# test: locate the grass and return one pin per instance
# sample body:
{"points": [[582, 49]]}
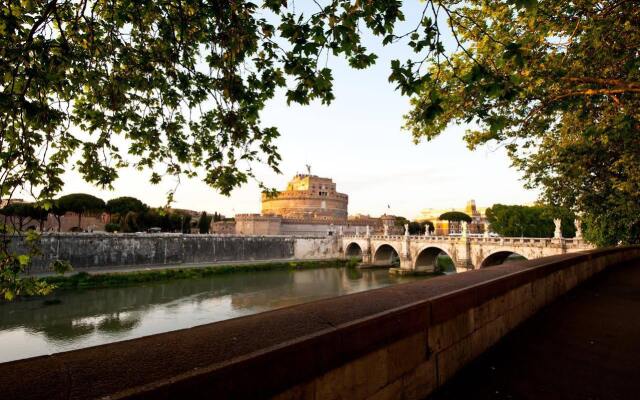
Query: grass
{"points": [[84, 280]]}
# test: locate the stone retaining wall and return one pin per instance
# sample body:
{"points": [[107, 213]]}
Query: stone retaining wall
{"points": [[398, 342], [88, 251]]}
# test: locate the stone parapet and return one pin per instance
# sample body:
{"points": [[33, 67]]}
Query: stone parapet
{"points": [[402, 341], [257, 217], [296, 194], [313, 221]]}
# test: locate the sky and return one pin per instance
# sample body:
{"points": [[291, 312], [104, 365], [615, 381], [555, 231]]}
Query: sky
{"points": [[358, 141]]}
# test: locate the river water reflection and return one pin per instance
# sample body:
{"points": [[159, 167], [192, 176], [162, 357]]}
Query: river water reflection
{"points": [[76, 319]]}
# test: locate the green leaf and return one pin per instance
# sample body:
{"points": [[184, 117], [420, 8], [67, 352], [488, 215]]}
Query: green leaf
{"points": [[24, 260]]}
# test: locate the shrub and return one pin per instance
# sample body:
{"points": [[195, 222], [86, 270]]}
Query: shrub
{"points": [[111, 227]]}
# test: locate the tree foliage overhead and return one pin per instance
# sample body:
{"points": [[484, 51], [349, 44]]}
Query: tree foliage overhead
{"points": [[170, 86], [555, 82]]}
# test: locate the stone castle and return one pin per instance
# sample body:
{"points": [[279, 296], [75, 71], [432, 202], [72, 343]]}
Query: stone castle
{"points": [[310, 205]]}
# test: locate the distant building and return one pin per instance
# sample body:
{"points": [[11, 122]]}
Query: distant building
{"points": [[308, 197], [445, 228], [310, 205], [223, 227]]}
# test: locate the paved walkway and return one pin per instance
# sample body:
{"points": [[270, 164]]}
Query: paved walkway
{"points": [[586, 345]]}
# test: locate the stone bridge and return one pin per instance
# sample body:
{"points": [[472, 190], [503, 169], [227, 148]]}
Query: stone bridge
{"points": [[421, 252]]}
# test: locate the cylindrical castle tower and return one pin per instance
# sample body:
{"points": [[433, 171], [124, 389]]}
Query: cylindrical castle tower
{"points": [[308, 197]]}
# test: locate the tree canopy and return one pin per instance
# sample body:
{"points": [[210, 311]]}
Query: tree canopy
{"points": [[19, 211], [176, 88], [555, 82], [529, 221], [426, 224], [125, 204], [129, 223], [80, 203], [455, 216], [204, 223]]}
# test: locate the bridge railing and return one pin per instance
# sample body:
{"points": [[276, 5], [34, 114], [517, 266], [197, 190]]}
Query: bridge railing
{"points": [[568, 242]]}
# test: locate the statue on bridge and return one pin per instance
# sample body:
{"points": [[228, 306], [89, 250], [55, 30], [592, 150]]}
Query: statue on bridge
{"points": [[557, 234], [386, 230], [486, 229], [340, 231], [465, 229], [578, 225], [406, 229], [368, 232]]}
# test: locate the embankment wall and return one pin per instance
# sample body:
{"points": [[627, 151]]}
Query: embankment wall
{"points": [[88, 251]]}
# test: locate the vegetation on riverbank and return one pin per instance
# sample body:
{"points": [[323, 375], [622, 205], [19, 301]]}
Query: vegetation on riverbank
{"points": [[84, 280], [445, 264]]}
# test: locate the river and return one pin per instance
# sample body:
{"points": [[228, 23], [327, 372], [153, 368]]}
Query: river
{"points": [[69, 320]]}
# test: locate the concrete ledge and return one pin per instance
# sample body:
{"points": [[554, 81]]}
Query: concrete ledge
{"points": [[399, 341]]}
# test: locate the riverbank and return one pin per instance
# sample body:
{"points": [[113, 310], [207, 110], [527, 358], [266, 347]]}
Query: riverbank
{"points": [[85, 280]]}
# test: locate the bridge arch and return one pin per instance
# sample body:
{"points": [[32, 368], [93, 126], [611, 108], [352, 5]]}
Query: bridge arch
{"points": [[353, 249], [501, 257], [385, 255], [428, 257]]}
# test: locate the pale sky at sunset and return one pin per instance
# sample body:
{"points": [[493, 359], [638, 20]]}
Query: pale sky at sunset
{"points": [[357, 141]]}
